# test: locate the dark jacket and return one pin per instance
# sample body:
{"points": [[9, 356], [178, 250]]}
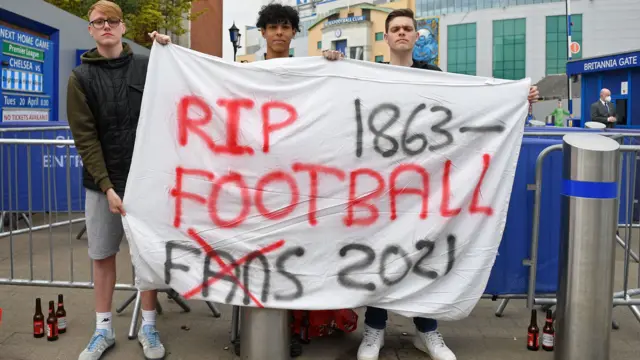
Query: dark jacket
{"points": [[104, 97], [600, 113], [422, 65]]}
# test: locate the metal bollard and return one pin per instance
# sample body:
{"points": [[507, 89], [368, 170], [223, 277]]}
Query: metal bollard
{"points": [[587, 250], [264, 334]]}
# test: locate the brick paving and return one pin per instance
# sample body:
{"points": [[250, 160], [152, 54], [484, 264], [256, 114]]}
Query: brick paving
{"points": [[482, 336]]}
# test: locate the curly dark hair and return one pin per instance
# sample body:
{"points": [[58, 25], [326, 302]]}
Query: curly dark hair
{"points": [[278, 14]]}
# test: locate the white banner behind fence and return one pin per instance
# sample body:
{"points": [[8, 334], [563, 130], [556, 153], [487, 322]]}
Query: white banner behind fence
{"points": [[309, 184]]}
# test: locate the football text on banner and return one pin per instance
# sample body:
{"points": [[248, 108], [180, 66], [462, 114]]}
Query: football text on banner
{"points": [[310, 184]]}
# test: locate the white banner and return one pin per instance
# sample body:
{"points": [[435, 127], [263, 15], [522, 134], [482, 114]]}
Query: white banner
{"points": [[309, 184]]}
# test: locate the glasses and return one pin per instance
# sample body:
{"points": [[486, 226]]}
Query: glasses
{"points": [[99, 23]]}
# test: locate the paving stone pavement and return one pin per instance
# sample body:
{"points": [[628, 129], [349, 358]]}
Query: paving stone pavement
{"points": [[481, 336]]}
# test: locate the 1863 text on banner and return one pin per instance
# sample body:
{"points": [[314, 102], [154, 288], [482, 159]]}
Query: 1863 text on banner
{"points": [[309, 184]]}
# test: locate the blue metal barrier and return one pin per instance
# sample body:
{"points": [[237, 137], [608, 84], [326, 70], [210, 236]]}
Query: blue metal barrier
{"points": [[47, 172], [634, 178], [509, 275]]}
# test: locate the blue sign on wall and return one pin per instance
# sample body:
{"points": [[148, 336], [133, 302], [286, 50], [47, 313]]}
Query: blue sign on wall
{"points": [[352, 19], [27, 76], [28, 101], [25, 65], [605, 63], [16, 80], [317, 2]]}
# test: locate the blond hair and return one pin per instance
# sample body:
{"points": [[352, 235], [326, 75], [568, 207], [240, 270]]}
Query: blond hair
{"points": [[109, 8]]}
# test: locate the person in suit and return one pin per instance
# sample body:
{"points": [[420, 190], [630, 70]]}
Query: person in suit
{"points": [[603, 110]]}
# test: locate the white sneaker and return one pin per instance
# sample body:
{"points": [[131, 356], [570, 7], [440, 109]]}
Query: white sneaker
{"points": [[149, 339], [101, 341], [372, 342], [433, 344]]}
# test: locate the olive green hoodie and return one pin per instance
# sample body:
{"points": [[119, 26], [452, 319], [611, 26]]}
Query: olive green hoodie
{"points": [[83, 124]]}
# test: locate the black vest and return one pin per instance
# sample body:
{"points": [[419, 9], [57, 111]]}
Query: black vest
{"points": [[114, 93]]}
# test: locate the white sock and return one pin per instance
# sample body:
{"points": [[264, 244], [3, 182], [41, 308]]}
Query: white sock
{"points": [[103, 320], [148, 317]]}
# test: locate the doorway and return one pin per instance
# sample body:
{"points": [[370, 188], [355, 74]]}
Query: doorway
{"points": [[622, 109], [341, 45]]}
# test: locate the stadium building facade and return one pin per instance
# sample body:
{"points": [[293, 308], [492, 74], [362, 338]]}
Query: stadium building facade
{"points": [[509, 39]]}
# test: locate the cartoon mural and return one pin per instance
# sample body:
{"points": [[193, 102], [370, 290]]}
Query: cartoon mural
{"points": [[426, 48]]}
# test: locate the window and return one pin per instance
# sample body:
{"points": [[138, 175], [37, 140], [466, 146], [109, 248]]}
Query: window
{"points": [[461, 49], [379, 58], [319, 45], [379, 36], [557, 48], [509, 49], [438, 7]]}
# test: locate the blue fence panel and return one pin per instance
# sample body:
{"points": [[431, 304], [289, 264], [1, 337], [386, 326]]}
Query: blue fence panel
{"points": [[509, 275], [48, 172], [623, 216]]}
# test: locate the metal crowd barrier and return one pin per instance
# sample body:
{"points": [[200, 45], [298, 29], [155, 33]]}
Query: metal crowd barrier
{"points": [[51, 196], [38, 175], [42, 207], [42, 201], [628, 169]]}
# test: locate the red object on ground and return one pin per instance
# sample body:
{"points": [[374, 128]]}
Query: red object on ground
{"points": [[318, 323]]}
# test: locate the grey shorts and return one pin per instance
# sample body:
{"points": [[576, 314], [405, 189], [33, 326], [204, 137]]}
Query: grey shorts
{"points": [[104, 229]]}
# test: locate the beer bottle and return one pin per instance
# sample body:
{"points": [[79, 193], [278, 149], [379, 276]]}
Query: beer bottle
{"points": [[38, 321], [52, 323], [533, 333], [304, 328], [548, 333], [61, 315]]}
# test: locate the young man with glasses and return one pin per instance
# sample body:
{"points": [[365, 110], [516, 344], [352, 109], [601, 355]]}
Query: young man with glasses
{"points": [[401, 35], [104, 97]]}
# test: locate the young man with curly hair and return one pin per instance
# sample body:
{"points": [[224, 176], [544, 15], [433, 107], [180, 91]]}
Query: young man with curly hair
{"points": [[278, 25]]}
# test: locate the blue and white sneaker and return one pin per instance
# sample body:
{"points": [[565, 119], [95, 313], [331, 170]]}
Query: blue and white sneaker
{"points": [[149, 338], [101, 341]]}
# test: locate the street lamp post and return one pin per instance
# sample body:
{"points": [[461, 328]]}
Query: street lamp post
{"points": [[234, 36]]}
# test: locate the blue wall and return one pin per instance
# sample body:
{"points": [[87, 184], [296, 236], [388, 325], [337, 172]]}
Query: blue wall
{"points": [[610, 72]]}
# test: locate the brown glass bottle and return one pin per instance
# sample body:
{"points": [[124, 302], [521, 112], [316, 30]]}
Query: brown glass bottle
{"points": [[52, 323], [533, 333], [38, 320], [548, 333], [61, 315], [304, 329]]}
